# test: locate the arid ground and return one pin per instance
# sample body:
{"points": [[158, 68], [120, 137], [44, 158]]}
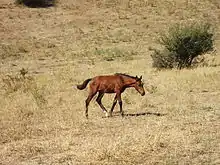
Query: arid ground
{"points": [[42, 117]]}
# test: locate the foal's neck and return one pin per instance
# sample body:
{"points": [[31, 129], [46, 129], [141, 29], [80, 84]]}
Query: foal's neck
{"points": [[128, 81]]}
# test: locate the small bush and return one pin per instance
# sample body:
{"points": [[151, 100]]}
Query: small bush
{"points": [[36, 3], [13, 83], [163, 59], [23, 82], [182, 44]]}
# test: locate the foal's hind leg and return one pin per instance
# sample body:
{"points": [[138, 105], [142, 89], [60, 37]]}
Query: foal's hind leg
{"points": [[99, 101], [89, 98], [113, 105]]}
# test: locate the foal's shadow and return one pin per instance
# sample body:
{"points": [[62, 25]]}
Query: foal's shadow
{"points": [[141, 114], [144, 114]]}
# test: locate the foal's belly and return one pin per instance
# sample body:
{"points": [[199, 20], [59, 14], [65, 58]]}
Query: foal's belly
{"points": [[107, 91]]}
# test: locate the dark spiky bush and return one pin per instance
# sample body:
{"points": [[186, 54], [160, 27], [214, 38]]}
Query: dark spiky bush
{"points": [[36, 3], [182, 44]]}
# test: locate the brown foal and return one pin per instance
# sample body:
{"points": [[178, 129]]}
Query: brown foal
{"points": [[116, 83]]}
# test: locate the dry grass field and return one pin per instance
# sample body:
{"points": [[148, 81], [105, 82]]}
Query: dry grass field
{"points": [[42, 116]]}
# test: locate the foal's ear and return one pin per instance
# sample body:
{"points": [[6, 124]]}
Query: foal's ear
{"points": [[140, 77]]}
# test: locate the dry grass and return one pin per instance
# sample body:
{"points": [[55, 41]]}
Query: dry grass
{"points": [[42, 117]]}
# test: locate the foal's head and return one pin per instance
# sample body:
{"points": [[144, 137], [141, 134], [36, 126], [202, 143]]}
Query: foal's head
{"points": [[139, 85]]}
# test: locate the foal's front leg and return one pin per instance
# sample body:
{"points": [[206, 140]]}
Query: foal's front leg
{"points": [[113, 105], [120, 103]]}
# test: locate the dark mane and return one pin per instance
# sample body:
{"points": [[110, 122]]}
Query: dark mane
{"points": [[123, 74]]}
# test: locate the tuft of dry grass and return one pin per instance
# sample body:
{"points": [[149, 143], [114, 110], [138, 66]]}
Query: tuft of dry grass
{"points": [[42, 113]]}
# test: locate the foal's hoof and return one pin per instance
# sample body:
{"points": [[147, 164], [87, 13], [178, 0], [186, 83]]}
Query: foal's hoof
{"points": [[107, 114]]}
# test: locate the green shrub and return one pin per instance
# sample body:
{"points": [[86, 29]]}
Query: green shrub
{"points": [[36, 3], [163, 59], [182, 44]]}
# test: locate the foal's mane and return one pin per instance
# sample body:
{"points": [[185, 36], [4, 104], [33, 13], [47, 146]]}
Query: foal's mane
{"points": [[123, 74]]}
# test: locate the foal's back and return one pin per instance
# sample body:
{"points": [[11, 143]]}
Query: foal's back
{"points": [[106, 84]]}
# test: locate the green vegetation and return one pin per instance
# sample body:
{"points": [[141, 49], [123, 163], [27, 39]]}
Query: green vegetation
{"points": [[182, 44], [110, 54]]}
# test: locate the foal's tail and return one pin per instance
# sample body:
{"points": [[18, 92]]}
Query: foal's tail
{"points": [[84, 84]]}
